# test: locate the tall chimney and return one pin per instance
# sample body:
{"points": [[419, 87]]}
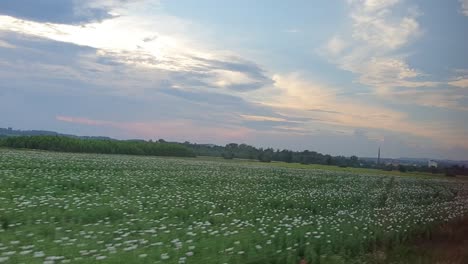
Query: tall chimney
{"points": [[378, 157]]}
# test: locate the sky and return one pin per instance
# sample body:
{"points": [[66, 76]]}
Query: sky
{"points": [[341, 77]]}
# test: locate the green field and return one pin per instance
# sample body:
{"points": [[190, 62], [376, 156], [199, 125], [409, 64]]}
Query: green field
{"points": [[325, 167], [91, 208]]}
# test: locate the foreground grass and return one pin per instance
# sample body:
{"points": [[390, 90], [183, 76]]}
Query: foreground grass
{"points": [[89, 208]]}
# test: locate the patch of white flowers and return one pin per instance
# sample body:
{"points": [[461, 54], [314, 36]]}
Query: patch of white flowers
{"points": [[85, 208]]}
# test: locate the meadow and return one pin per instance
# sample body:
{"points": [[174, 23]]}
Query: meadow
{"points": [[93, 208]]}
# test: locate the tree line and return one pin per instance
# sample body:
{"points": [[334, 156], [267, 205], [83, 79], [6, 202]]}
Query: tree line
{"points": [[104, 146], [164, 148], [244, 151], [187, 149]]}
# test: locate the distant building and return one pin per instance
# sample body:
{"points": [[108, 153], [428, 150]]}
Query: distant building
{"points": [[432, 163], [394, 163]]}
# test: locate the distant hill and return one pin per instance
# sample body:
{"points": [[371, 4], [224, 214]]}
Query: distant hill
{"points": [[8, 132]]}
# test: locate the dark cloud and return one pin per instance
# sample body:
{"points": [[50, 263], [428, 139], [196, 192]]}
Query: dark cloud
{"points": [[54, 11], [36, 49], [149, 39]]}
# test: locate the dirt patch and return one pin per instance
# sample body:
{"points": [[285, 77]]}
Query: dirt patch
{"points": [[448, 244]]}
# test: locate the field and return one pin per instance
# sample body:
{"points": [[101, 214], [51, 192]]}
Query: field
{"points": [[89, 208]]}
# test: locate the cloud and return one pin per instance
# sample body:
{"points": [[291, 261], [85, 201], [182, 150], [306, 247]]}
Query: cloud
{"points": [[83, 72], [262, 118], [374, 5], [446, 99], [325, 111], [168, 129], [376, 33], [461, 82], [335, 46], [372, 51], [85, 121], [232, 80], [385, 73], [380, 29], [293, 94], [4, 44], [60, 11], [374, 24], [322, 107], [129, 41], [464, 7]]}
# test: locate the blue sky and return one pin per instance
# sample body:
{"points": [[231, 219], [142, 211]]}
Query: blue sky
{"points": [[339, 77]]}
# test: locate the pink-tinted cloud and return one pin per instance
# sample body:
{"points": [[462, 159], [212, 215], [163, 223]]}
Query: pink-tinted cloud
{"points": [[84, 121], [173, 130]]}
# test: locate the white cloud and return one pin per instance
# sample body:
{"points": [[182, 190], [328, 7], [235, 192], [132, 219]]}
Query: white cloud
{"points": [[335, 46], [373, 48], [385, 73], [263, 118], [118, 35], [463, 83], [226, 78], [373, 5], [375, 24], [380, 32]]}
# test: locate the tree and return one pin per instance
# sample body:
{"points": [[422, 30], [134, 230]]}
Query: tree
{"points": [[227, 155], [402, 168], [265, 155]]}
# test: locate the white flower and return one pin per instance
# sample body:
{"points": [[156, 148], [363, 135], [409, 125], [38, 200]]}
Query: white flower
{"points": [[38, 254]]}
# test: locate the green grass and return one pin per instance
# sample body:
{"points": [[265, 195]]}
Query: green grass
{"points": [[92, 208], [324, 167]]}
